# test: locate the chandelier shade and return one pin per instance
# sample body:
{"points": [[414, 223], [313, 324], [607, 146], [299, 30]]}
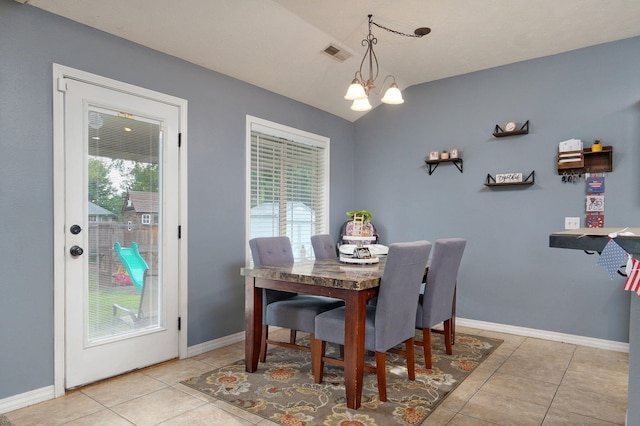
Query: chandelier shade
{"points": [[355, 91], [361, 87], [393, 96], [361, 104]]}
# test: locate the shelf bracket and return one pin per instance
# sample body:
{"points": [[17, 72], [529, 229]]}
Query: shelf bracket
{"points": [[500, 132], [432, 165], [529, 180]]}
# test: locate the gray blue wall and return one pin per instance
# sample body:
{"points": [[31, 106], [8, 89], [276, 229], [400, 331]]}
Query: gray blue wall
{"points": [[509, 276], [30, 41]]}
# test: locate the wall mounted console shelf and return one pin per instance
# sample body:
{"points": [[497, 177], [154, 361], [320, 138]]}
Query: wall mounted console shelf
{"points": [[499, 132], [529, 180], [433, 164], [586, 161]]}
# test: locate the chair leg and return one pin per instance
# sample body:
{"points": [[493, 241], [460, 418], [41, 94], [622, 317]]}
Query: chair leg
{"points": [[411, 359], [447, 336], [426, 341], [292, 337], [263, 343], [381, 372], [318, 348], [453, 316]]}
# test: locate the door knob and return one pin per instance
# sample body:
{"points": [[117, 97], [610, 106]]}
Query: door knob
{"points": [[76, 251], [75, 229]]}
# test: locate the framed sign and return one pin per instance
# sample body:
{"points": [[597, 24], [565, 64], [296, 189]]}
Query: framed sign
{"points": [[508, 177], [595, 203], [454, 153], [595, 184], [594, 221], [434, 155]]}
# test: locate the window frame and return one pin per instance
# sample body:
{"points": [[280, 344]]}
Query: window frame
{"points": [[145, 219], [298, 136]]}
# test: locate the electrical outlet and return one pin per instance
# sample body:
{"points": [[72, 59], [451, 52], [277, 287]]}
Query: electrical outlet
{"points": [[571, 222]]}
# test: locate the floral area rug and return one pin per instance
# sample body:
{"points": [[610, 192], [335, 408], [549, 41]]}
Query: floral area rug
{"points": [[282, 389], [4, 421]]}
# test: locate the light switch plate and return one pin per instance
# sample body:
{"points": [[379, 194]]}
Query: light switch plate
{"points": [[571, 222]]}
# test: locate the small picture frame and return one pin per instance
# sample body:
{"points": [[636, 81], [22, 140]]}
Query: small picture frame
{"points": [[454, 153], [362, 253], [434, 155]]}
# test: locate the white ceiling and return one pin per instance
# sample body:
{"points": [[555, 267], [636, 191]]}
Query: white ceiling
{"points": [[278, 44]]}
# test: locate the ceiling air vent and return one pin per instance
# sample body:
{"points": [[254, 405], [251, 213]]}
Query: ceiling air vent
{"points": [[336, 53]]}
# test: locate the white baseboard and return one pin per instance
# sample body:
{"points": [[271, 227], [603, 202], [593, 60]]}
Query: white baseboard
{"points": [[44, 394], [214, 344], [547, 335], [25, 399]]}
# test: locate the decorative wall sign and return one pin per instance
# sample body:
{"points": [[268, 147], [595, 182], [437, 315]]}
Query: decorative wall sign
{"points": [[595, 184], [454, 153], [595, 203], [594, 221], [508, 177], [434, 155]]}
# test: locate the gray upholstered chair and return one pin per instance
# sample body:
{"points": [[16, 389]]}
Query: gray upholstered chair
{"points": [[323, 246], [388, 323], [436, 304], [284, 309]]}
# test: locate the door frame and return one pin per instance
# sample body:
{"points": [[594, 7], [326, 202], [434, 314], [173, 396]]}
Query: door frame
{"points": [[60, 72]]}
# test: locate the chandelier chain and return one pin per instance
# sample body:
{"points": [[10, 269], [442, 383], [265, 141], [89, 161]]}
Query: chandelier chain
{"points": [[397, 32]]}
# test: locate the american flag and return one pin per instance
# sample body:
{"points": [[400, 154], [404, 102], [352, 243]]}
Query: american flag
{"points": [[633, 275], [612, 257]]}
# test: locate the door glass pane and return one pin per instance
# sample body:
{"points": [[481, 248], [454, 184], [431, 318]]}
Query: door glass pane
{"points": [[124, 221]]}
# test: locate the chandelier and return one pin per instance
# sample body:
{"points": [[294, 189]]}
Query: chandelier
{"points": [[362, 87]]}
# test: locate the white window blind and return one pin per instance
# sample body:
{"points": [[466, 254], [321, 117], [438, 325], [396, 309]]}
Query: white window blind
{"points": [[288, 186]]}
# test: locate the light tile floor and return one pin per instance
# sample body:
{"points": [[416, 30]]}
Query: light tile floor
{"points": [[526, 381]]}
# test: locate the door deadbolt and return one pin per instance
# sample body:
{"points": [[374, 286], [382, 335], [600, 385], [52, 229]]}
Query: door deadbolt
{"points": [[75, 229], [76, 251]]}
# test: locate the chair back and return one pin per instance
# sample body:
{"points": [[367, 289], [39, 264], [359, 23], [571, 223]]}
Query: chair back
{"points": [[272, 251], [437, 299], [398, 295], [323, 246], [148, 308]]}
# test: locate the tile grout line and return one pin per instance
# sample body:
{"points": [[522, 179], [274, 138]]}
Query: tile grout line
{"points": [[486, 380]]}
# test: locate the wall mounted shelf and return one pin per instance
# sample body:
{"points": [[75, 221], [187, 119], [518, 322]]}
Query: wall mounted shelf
{"points": [[587, 161], [499, 132], [529, 180], [433, 164]]}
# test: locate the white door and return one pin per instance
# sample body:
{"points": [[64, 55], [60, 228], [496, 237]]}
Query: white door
{"points": [[121, 232]]}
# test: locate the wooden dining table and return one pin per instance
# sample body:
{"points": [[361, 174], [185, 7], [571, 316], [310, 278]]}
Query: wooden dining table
{"points": [[353, 283]]}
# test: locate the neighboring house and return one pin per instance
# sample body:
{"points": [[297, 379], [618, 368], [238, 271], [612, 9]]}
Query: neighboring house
{"points": [[140, 213], [265, 222], [100, 214], [141, 208]]}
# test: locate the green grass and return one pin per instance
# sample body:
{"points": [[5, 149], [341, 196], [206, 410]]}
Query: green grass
{"points": [[101, 301]]}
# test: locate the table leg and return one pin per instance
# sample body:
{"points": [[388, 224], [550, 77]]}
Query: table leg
{"points": [[354, 347], [253, 324]]}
